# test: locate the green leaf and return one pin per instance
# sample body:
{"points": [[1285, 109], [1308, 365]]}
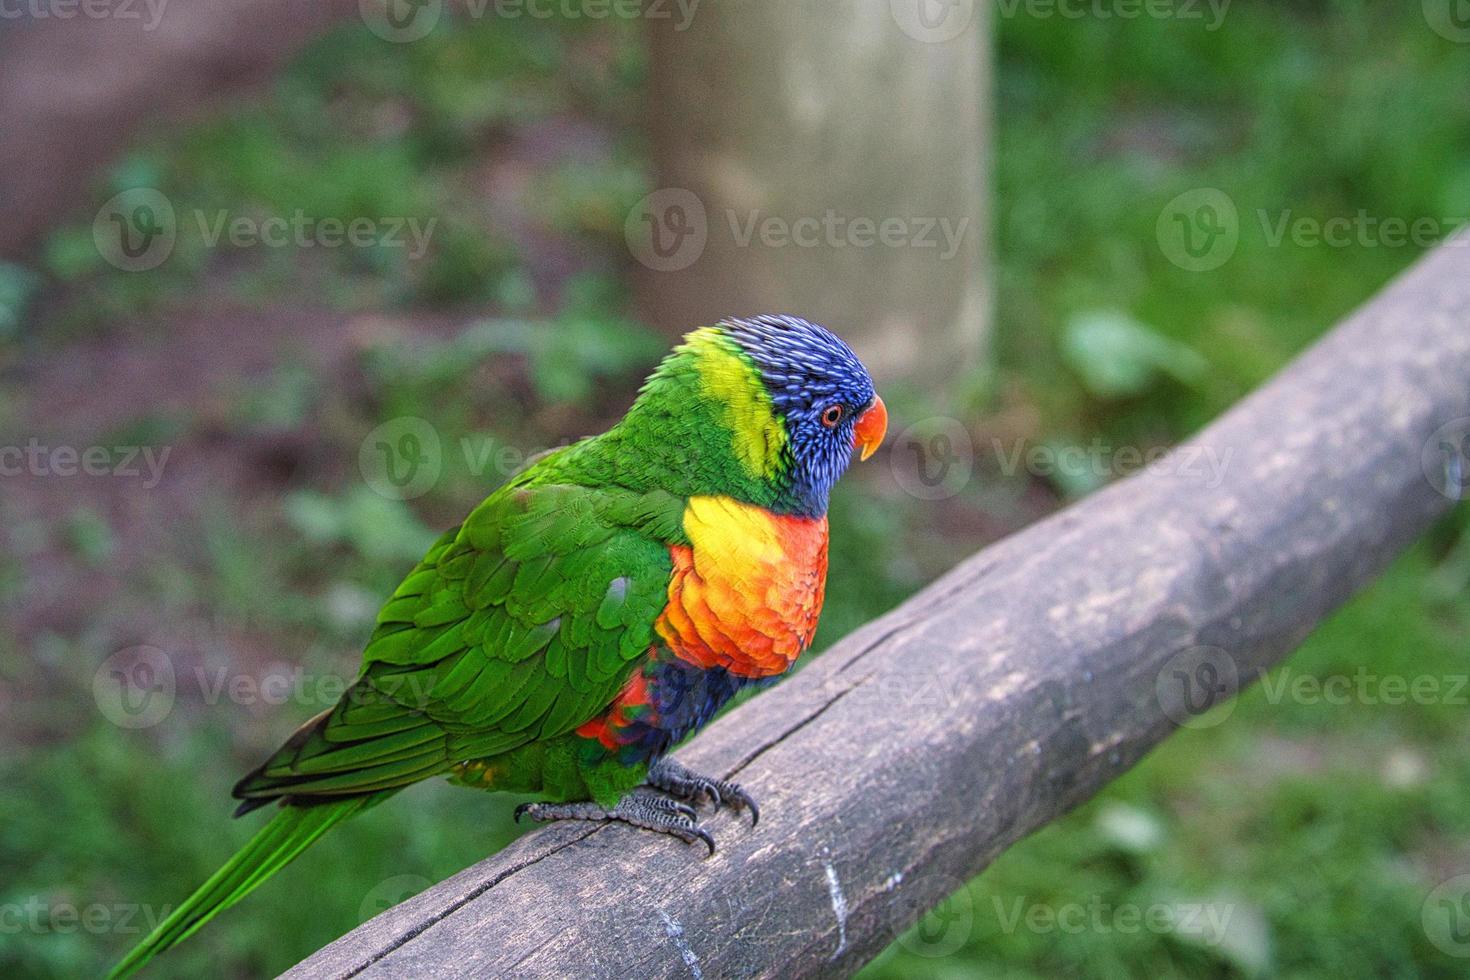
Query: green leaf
{"points": [[17, 287], [1117, 356]]}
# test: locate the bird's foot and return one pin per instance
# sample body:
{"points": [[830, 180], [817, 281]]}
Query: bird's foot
{"points": [[685, 784], [640, 809]]}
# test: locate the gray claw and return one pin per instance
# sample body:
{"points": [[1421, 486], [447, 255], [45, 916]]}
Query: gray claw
{"points": [[639, 809], [679, 781]]}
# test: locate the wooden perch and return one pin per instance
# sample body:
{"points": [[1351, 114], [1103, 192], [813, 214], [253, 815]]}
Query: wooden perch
{"points": [[906, 758]]}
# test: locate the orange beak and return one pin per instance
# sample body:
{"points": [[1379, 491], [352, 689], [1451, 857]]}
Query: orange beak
{"points": [[871, 427]]}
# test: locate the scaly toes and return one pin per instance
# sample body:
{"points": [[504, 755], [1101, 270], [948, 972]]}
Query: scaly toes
{"points": [[674, 778], [663, 815], [648, 810]]}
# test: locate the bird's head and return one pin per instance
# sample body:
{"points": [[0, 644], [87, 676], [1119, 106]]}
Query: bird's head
{"points": [[768, 408]]}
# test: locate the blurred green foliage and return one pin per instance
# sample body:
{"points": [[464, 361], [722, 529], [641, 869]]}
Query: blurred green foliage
{"points": [[1318, 828]]}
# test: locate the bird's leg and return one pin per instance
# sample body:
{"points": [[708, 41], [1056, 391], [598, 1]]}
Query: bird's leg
{"points": [[686, 784], [640, 809]]}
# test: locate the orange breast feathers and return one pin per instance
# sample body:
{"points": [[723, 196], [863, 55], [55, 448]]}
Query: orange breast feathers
{"points": [[747, 594]]}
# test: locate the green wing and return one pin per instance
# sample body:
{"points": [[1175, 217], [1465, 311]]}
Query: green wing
{"points": [[519, 625]]}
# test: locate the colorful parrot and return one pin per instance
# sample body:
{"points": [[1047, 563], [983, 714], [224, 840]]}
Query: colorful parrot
{"points": [[592, 612]]}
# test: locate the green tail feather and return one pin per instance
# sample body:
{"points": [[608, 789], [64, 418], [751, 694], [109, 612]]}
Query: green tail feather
{"points": [[292, 830]]}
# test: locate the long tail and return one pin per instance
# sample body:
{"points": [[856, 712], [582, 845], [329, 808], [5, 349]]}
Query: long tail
{"points": [[292, 830]]}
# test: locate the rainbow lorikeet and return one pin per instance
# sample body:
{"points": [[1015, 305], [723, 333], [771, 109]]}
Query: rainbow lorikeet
{"points": [[592, 612]]}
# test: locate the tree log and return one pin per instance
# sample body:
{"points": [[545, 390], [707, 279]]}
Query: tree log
{"points": [[910, 755]]}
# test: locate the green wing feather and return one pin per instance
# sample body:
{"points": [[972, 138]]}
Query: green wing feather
{"points": [[519, 625]]}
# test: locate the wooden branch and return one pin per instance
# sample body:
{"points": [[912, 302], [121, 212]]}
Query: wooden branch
{"points": [[905, 759]]}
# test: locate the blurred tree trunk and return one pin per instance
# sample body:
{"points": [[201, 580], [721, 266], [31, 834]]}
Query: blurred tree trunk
{"points": [[827, 159]]}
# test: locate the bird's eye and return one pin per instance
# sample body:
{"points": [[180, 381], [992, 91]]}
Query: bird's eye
{"points": [[831, 415]]}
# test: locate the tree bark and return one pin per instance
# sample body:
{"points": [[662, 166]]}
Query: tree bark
{"points": [[908, 757]]}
